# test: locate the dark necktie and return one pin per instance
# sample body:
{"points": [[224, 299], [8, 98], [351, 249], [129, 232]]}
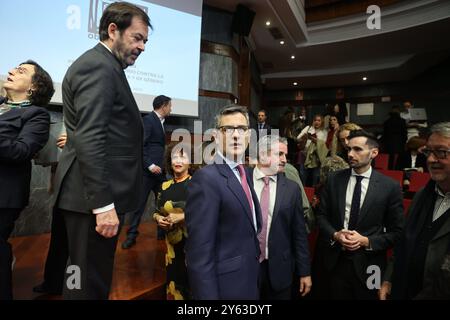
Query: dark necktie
{"points": [[356, 203], [265, 202]]}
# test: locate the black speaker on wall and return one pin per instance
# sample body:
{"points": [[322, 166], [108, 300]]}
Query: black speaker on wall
{"points": [[242, 20]]}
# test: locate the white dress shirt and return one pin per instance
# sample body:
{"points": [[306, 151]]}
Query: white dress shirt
{"points": [[258, 183], [349, 194], [442, 203]]}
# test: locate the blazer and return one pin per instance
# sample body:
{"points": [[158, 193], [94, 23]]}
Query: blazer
{"points": [[154, 143], [288, 239], [380, 219], [101, 162], [23, 132], [404, 161], [265, 127], [433, 276], [222, 248]]}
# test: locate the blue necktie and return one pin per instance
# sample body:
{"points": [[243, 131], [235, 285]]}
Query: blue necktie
{"points": [[356, 203]]}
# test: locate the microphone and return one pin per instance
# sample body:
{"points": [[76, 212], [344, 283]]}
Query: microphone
{"points": [[2, 99]]}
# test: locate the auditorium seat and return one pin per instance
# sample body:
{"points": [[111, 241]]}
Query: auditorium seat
{"points": [[382, 161], [309, 193], [394, 174], [406, 204], [418, 180]]}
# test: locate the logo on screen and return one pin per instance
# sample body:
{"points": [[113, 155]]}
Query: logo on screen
{"points": [[96, 8]]}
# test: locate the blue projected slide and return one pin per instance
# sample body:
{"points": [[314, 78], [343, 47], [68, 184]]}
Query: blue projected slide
{"points": [[55, 33]]}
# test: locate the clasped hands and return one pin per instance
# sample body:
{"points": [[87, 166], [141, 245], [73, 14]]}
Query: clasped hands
{"points": [[351, 240], [167, 222]]}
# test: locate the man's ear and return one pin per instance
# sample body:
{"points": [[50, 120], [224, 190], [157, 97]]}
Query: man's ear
{"points": [[112, 31], [374, 153]]}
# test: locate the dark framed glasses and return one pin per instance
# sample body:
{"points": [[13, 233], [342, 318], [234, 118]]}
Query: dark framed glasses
{"points": [[229, 130], [439, 153]]}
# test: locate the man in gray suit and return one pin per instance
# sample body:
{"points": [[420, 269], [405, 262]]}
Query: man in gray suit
{"points": [[283, 239], [99, 173], [360, 217]]}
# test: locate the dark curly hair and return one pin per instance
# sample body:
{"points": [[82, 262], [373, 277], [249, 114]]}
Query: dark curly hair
{"points": [[185, 148], [42, 85]]}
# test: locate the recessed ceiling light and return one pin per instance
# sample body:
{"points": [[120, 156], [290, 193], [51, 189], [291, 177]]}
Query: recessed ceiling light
{"points": [[292, 57], [282, 42], [364, 78], [267, 23], [295, 84]]}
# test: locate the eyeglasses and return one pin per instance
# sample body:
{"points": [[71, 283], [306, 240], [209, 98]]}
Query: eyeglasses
{"points": [[229, 130], [439, 154]]}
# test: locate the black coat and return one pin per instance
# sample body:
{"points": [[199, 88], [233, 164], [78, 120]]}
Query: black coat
{"points": [[101, 162], [23, 132], [394, 134]]}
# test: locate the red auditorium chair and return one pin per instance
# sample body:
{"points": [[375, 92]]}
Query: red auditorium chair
{"points": [[406, 205], [418, 180], [394, 174], [309, 193], [382, 161]]}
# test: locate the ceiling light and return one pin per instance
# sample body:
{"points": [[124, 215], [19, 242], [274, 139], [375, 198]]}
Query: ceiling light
{"points": [[295, 84], [364, 78], [292, 57], [267, 23], [282, 42]]}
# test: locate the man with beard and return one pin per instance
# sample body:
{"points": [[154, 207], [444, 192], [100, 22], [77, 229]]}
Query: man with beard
{"points": [[360, 217], [421, 264], [99, 175]]}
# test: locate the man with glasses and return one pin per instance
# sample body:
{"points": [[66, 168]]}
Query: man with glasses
{"points": [[420, 269], [223, 217]]}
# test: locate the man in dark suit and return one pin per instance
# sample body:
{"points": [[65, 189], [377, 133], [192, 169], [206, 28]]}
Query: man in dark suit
{"points": [[421, 267], [154, 144], [360, 217], [263, 128], [223, 218], [283, 239], [99, 174]]}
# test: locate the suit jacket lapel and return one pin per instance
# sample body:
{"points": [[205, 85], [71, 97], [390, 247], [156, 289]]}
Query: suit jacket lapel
{"points": [[280, 195], [120, 71], [445, 228], [342, 194], [236, 188], [370, 195]]}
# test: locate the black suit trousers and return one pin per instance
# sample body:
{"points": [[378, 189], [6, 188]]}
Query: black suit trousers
{"points": [[92, 253], [148, 184], [58, 253], [345, 283], [7, 218], [265, 288]]}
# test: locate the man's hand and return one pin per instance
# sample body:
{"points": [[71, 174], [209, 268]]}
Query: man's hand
{"points": [[62, 139], [305, 285], [343, 237], [107, 223], [354, 236], [156, 170], [385, 290]]}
